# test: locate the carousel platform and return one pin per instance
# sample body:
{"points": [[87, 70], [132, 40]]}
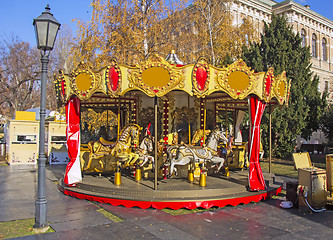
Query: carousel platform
{"points": [[174, 193]]}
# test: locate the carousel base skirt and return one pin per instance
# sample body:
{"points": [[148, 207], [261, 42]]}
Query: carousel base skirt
{"points": [[174, 193]]}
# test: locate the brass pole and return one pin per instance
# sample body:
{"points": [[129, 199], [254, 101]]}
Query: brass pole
{"points": [[155, 174], [270, 138], [107, 122], [189, 119], [226, 122], [118, 119], [204, 130]]}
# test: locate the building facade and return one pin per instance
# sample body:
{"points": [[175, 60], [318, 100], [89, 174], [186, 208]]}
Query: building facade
{"points": [[316, 31]]}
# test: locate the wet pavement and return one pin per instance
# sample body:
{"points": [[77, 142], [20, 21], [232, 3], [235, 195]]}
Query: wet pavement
{"points": [[73, 218]]}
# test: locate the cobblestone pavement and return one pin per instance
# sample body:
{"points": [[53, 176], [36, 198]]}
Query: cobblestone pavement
{"points": [[73, 218]]}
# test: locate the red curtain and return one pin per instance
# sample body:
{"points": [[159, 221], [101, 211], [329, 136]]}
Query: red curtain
{"points": [[73, 170], [256, 178]]}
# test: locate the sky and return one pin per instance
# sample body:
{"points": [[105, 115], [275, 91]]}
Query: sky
{"points": [[16, 16]]}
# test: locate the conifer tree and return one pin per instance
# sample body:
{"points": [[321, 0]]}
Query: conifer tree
{"points": [[281, 49], [328, 124]]}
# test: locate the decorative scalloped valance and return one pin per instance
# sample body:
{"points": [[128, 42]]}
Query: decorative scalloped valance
{"points": [[157, 77]]}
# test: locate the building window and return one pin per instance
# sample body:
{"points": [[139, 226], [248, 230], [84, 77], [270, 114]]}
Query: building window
{"points": [[314, 45], [303, 36], [326, 86], [324, 47]]}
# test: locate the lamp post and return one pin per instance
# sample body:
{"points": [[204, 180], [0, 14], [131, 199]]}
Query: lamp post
{"points": [[46, 29]]}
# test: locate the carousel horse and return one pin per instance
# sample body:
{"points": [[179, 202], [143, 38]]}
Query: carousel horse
{"points": [[146, 146], [198, 154], [129, 136]]}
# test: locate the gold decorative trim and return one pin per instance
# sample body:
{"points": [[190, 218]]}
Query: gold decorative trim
{"points": [[267, 95], [238, 66], [110, 92], [60, 87], [84, 94], [281, 79], [201, 63], [135, 77]]}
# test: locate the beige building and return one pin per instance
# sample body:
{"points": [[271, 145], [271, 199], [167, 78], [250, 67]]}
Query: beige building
{"points": [[316, 31]]}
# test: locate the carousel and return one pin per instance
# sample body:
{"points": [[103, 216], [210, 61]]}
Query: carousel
{"points": [[163, 134]]}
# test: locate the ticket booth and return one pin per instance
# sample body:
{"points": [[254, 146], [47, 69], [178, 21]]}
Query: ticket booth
{"points": [[22, 138], [56, 139]]}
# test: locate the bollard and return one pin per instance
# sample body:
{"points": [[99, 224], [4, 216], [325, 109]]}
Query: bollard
{"points": [[190, 176], [117, 178], [203, 175], [117, 175], [137, 174]]}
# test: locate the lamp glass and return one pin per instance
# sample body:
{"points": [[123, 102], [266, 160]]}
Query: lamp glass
{"points": [[46, 29]]}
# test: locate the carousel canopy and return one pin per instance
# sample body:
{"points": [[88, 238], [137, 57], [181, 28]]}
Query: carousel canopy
{"points": [[158, 77]]}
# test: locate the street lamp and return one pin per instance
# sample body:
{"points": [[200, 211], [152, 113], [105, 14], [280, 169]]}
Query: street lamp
{"points": [[46, 29]]}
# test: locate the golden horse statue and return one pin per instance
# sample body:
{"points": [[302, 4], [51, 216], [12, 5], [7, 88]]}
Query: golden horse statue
{"points": [[122, 148], [198, 135]]}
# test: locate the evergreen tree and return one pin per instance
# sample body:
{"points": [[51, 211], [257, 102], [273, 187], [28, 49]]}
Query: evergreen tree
{"points": [[281, 48], [317, 104], [328, 124]]}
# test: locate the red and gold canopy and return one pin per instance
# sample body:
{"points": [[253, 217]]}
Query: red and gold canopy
{"points": [[158, 77]]}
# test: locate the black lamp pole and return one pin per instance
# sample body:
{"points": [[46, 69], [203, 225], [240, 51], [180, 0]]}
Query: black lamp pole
{"points": [[46, 29]]}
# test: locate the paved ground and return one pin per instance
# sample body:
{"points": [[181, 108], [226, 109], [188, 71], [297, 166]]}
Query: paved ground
{"points": [[79, 219]]}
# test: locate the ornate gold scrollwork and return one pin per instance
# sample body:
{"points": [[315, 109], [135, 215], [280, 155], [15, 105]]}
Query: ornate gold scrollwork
{"points": [[200, 77], [268, 84], [84, 81], [60, 87], [281, 87], [237, 79], [113, 79], [155, 77]]}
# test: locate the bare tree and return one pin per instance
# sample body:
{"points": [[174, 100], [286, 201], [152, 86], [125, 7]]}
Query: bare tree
{"points": [[19, 75]]}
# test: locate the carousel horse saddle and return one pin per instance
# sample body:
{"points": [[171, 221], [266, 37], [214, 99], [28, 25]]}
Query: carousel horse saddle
{"points": [[106, 143]]}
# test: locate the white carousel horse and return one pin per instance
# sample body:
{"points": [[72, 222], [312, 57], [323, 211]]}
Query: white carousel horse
{"points": [[129, 136], [146, 146], [198, 154]]}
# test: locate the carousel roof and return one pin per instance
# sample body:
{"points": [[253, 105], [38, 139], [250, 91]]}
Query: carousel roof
{"points": [[157, 77]]}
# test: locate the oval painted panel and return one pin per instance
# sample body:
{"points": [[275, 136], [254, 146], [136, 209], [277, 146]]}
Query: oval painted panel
{"points": [[238, 80], [63, 87], [113, 78], [83, 81], [268, 85], [282, 87], [201, 77], [155, 77]]}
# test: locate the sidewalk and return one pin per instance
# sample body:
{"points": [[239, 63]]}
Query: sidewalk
{"points": [[79, 219]]}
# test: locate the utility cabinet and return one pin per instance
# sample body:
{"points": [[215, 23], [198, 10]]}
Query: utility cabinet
{"points": [[313, 180]]}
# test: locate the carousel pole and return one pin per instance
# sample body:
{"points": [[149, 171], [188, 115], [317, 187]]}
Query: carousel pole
{"points": [[189, 120], [118, 119], [226, 122], [270, 138], [204, 128], [155, 136], [203, 171]]}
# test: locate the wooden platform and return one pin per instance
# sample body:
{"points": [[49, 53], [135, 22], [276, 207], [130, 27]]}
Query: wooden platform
{"points": [[172, 193]]}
